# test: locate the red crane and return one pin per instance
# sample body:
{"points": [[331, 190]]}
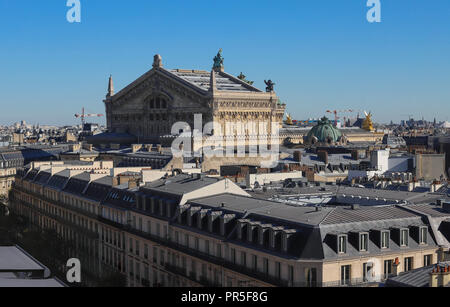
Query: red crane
{"points": [[84, 115]]}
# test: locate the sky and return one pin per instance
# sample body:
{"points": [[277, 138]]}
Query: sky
{"points": [[321, 54]]}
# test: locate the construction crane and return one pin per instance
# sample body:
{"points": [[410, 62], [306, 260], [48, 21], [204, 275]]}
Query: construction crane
{"points": [[336, 112], [83, 115]]}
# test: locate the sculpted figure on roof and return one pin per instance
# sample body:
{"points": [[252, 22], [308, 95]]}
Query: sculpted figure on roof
{"points": [[218, 60], [270, 86]]}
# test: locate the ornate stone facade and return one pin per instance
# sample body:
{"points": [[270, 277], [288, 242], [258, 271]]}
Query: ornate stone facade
{"points": [[148, 107]]}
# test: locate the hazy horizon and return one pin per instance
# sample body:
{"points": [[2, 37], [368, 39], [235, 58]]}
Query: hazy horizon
{"points": [[322, 55]]}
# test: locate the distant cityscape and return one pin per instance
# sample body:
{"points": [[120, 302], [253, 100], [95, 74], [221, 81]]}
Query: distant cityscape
{"points": [[232, 151]]}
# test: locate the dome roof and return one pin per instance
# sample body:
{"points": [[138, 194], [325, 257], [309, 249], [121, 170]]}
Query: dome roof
{"points": [[325, 132]]}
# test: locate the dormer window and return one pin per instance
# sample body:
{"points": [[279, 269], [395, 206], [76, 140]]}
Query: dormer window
{"points": [[404, 236], [423, 234], [363, 242], [342, 244], [385, 237]]}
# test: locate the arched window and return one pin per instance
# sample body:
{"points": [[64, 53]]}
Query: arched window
{"points": [[157, 102]]}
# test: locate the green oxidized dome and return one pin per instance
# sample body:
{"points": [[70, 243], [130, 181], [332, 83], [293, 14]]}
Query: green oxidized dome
{"points": [[325, 132]]}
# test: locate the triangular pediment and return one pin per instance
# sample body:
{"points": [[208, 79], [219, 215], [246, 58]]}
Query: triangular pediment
{"points": [[197, 82]]}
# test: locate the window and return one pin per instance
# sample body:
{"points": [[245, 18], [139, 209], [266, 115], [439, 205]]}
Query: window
{"points": [[138, 271], [311, 277], [162, 255], [243, 259], [427, 260], [404, 237], [131, 245], [363, 242], [278, 270], [408, 264], [266, 266], [367, 271], [197, 243], [385, 239], [254, 262], [233, 256], [423, 235], [155, 254], [186, 240], [145, 251], [291, 275], [345, 274], [204, 271], [388, 268], [342, 244], [131, 266], [184, 264], [137, 247], [219, 250], [206, 246], [193, 269], [146, 274]]}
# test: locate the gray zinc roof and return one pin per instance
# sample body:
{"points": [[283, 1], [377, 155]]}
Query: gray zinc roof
{"points": [[224, 81], [13, 259], [180, 184]]}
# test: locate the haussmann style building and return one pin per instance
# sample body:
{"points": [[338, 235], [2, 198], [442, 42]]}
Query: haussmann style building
{"points": [[195, 230]]}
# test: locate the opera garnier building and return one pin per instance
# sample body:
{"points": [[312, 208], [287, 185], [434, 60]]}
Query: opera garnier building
{"points": [[146, 110]]}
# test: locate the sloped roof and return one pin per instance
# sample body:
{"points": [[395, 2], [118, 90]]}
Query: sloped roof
{"points": [[342, 215], [224, 81], [199, 80], [180, 184]]}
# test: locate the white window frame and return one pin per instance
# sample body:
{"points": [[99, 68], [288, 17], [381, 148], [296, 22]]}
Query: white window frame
{"points": [[385, 246], [423, 238], [404, 241], [339, 247], [364, 248]]}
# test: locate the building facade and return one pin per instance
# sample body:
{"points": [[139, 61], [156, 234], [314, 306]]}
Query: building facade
{"points": [[192, 230], [149, 106]]}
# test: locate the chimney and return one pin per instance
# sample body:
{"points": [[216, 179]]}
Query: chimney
{"points": [[149, 147], [136, 147], [159, 148], [323, 156], [132, 183], [298, 156], [355, 155], [396, 266], [440, 275]]}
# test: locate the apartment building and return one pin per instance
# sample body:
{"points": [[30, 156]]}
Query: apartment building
{"points": [[193, 230], [11, 159]]}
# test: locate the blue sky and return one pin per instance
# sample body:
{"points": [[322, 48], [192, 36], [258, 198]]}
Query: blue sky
{"points": [[322, 54]]}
